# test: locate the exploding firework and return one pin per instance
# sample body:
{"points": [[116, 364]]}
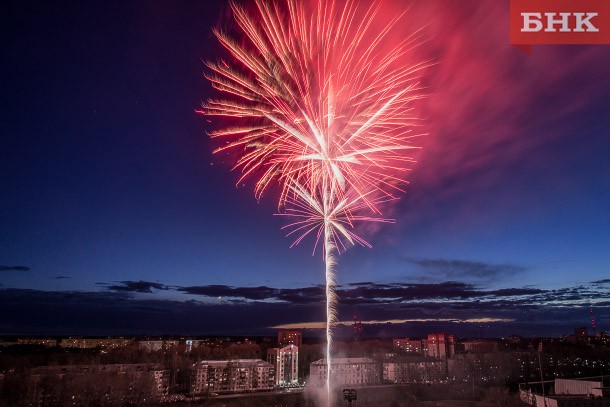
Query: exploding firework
{"points": [[321, 105]]}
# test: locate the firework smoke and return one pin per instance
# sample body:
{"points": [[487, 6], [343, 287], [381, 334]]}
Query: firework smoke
{"points": [[321, 103]]}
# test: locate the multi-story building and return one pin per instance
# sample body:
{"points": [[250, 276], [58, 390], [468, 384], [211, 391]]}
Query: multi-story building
{"points": [[194, 343], [155, 345], [151, 346], [232, 376], [480, 346], [90, 343], [346, 371], [129, 375], [286, 364], [441, 345], [285, 338], [411, 346], [515, 340], [414, 370], [48, 342], [581, 334], [168, 344]]}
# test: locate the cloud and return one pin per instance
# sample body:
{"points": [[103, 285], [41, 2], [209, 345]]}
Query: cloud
{"points": [[305, 295], [322, 324], [137, 286], [354, 293], [361, 283], [61, 277], [396, 298], [600, 282], [516, 291], [119, 313], [406, 292], [464, 269], [250, 293], [386, 309], [450, 305], [14, 268]]}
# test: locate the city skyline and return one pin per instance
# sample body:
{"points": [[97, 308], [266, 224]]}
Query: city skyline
{"points": [[116, 208]]}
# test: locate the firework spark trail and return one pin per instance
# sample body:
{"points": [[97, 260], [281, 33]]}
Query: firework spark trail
{"points": [[328, 216], [324, 108]]}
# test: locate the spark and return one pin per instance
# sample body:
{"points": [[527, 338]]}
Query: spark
{"points": [[318, 100], [307, 211]]}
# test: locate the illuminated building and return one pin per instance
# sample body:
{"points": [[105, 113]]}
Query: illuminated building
{"points": [[581, 335], [286, 363], [441, 345], [346, 371], [90, 343], [150, 346], [515, 339], [133, 373], [156, 345], [193, 343], [232, 376], [285, 338], [414, 370], [50, 343], [411, 346], [480, 346]]}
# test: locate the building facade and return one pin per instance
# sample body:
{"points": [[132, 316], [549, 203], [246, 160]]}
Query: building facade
{"points": [[286, 364], [291, 337], [480, 346], [91, 343], [411, 346], [48, 342], [441, 345], [569, 393], [232, 376], [346, 371], [123, 383], [414, 370], [156, 345]]}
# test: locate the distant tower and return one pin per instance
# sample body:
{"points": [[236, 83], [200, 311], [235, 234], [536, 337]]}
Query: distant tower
{"points": [[357, 329]]}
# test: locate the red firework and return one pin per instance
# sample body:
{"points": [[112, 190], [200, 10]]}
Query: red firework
{"points": [[323, 104]]}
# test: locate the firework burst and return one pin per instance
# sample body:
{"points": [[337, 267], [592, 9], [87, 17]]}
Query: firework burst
{"points": [[321, 102]]}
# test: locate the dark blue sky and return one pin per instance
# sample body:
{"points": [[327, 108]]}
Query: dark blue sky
{"points": [[114, 207]]}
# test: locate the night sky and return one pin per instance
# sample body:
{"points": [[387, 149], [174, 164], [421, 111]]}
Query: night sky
{"points": [[115, 218]]}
